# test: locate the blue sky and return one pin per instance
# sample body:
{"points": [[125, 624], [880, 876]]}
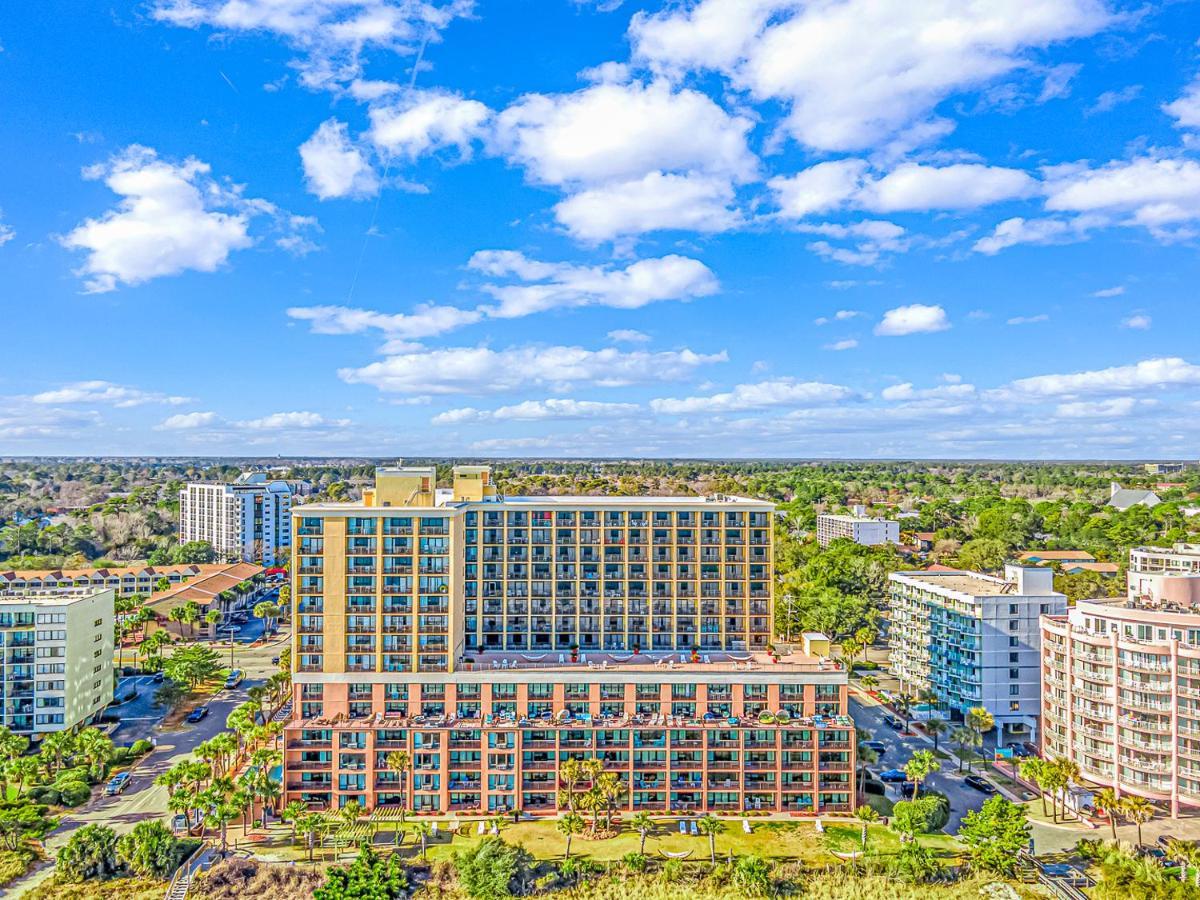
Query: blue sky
{"points": [[755, 228]]}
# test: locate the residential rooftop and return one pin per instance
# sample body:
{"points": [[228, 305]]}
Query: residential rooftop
{"points": [[608, 501], [40, 597]]}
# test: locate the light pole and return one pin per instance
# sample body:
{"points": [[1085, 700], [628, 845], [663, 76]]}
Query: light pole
{"points": [[231, 628]]}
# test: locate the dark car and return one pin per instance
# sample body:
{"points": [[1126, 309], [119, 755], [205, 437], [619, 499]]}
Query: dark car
{"points": [[274, 660], [117, 784], [893, 723], [158, 677], [1019, 749], [878, 746], [908, 789], [980, 784], [892, 776], [198, 714]]}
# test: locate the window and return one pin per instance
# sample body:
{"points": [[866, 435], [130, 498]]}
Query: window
{"points": [[1014, 673], [1014, 641], [1012, 609], [1015, 706], [1014, 690], [1014, 657]]}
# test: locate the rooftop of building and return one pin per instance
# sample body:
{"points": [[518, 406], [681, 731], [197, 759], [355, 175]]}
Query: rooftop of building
{"points": [[42, 597], [204, 588], [1052, 555], [848, 517], [1180, 549], [976, 584], [189, 570], [549, 500], [707, 662]]}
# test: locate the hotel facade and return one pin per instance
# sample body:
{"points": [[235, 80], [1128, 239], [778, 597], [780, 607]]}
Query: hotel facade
{"points": [[247, 521], [973, 641], [492, 638]]}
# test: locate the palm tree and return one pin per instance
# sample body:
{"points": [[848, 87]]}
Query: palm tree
{"points": [[310, 826], [350, 813], [1139, 811], [868, 682], [571, 824], [866, 815], [712, 826], [56, 746], [866, 757], [293, 813], [1106, 799], [609, 789], [935, 727], [257, 695], [967, 739], [920, 766], [423, 830], [1068, 772], [904, 703], [1033, 770], [643, 825], [96, 748], [1180, 851], [572, 773], [400, 761], [979, 720]]}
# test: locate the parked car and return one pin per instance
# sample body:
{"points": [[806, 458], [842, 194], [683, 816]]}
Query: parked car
{"points": [[893, 723], [1020, 749], [117, 784], [980, 784], [907, 789], [892, 776], [871, 786], [158, 677], [274, 660], [878, 746], [234, 678], [198, 714], [1032, 749]]}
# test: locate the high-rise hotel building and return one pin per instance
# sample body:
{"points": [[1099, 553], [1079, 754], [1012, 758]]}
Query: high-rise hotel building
{"points": [[491, 638]]}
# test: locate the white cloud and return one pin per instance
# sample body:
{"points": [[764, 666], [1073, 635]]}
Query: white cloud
{"points": [[628, 336], [1157, 193], [846, 284], [1018, 230], [847, 344], [1028, 320], [846, 184], [1110, 292], [1116, 407], [7, 232], [171, 218], [105, 392], [1110, 100], [906, 392], [428, 121], [282, 421], [621, 132], [330, 35], [763, 395], [481, 370], [856, 73], [1137, 322], [334, 166], [655, 202], [916, 318], [840, 316], [187, 421], [961, 186], [1186, 109], [537, 286], [1145, 375], [426, 320], [870, 239], [821, 188], [537, 411]]}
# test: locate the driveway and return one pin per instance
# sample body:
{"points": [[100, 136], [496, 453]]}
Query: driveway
{"points": [[139, 716], [868, 715]]}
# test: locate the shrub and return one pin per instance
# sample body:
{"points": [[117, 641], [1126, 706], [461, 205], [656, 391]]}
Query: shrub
{"points": [[150, 850], [45, 794], [492, 869], [672, 871], [73, 793], [75, 773], [122, 756], [635, 862], [90, 853], [937, 809], [141, 747]]}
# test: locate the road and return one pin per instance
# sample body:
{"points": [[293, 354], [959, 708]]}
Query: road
{"points": [[869, 717], [143, 799]]}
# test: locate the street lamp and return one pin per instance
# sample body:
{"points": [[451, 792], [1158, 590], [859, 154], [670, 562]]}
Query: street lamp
{"points": [[232, 628]]}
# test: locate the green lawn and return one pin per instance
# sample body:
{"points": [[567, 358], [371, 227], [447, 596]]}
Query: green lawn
{"points": [[771, 840]]}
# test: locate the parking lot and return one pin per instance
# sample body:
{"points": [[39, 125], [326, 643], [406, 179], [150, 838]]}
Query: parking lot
{"points": [[138, 716]]}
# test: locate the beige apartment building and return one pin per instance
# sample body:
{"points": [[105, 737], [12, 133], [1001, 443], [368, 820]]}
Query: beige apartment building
{"points": [[490, 638]]}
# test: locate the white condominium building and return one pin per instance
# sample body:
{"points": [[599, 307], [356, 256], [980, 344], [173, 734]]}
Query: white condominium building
{"points": [[860, 529], [973, 640], [1159, 574], [57, 658], [249, 520]]}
